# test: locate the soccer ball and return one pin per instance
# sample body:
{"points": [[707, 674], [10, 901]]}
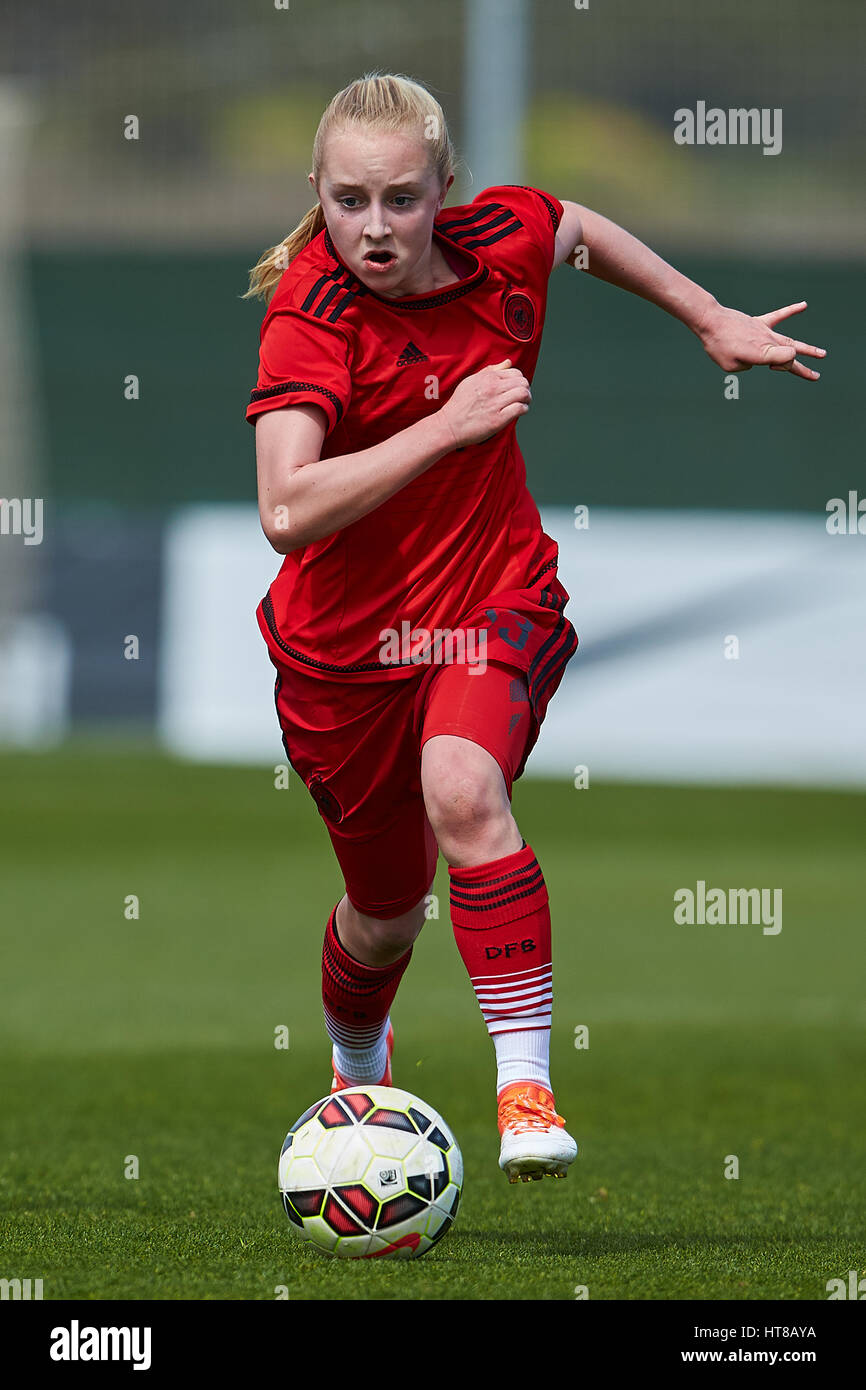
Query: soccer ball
{"points": [[371, 1171]]}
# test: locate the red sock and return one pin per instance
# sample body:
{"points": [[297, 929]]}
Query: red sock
{"points": [[501, 920], [356, 997]]}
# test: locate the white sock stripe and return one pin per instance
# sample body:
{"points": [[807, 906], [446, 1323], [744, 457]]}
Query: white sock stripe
{"points": [[513, 974], [542, 1011], [516, 975], [524, 1019], [353, 1045], [353, 1040], [524, 992], [336, 1026], [525, 977], [540, 996], [359, 1038], [523, 998], [519, 1015], [516, 986], [519, 1019]]}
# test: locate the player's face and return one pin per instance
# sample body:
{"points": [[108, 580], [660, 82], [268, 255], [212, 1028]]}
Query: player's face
{"points": [[380, 196]]}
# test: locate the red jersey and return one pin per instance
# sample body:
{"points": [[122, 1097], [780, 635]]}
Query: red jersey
{"points": [[465, 530]]}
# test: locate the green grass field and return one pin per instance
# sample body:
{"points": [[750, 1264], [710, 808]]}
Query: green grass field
{"points": [[155, 1038]]}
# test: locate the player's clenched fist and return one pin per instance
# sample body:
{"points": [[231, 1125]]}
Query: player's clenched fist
{"points": [[486, 402]]}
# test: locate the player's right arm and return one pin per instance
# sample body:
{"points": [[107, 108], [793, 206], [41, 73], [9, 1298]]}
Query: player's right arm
{"points": [[303, 497]]}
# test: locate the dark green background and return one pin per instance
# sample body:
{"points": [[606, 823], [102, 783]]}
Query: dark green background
{"points": [[627, 408]]}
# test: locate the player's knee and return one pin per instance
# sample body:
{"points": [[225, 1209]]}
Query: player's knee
{"points": [[465, 809], [466, 800]]}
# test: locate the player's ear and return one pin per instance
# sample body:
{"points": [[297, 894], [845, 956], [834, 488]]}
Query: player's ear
{"points": [[444, 194]]}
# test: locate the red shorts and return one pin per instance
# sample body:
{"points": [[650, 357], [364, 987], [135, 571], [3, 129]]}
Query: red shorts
{"points": [[357, 747], [357, 743]]}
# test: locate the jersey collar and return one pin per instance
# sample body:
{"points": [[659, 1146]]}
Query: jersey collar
{"points": [[432, 298]]}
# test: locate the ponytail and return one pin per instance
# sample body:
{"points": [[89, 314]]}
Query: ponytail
{"points": [[268, 270]]}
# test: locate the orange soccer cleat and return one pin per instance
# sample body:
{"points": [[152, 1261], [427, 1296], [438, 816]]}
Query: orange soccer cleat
{"points": [[341, 1084], [534, 1139]]}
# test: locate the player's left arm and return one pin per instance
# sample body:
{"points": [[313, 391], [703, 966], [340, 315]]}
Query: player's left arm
{"points": [[735, 341]]}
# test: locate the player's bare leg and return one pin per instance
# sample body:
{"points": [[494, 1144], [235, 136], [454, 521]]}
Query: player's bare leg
{"points": [[467, 801], [375, 940], [501, 919]]}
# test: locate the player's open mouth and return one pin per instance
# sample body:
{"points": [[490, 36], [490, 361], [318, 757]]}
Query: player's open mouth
{"points": [[380, 260]]}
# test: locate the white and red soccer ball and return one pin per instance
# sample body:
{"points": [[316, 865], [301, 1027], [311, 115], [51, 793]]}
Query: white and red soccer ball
{"points": [[371, 1171]]}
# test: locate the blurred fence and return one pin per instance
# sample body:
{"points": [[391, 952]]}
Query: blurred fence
{"points": [[627, 409], [228, 94], [128, 256]]}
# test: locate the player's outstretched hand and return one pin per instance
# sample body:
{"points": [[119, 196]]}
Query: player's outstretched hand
{"points": [[736, 342], [487, 401]]}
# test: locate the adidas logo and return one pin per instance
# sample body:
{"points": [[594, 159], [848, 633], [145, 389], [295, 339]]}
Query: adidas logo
{"points": [[410, 354]]}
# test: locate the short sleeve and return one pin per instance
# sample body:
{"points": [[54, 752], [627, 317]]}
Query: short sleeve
{"points": [[537, 213], [301, 361]]}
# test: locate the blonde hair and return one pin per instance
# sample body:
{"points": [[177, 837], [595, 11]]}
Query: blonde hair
{"points": [[381, 101]]}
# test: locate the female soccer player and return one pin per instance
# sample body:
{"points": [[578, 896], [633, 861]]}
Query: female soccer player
{"points": [[417, 624]]}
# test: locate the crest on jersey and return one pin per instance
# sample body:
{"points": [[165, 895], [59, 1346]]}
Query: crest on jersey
{"points": [[518, 312]]}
